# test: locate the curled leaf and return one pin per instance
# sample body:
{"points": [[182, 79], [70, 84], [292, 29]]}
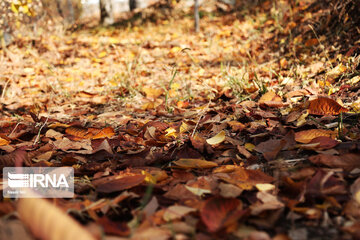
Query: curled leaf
{"points": [[48, 222], [218, 138]]}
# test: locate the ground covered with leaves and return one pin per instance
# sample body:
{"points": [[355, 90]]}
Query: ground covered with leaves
{"points": [[246, 130]]}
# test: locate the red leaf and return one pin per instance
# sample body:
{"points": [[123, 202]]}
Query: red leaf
{"points": [[116, 185], [325, 142], [219, 212], [347, 161]]}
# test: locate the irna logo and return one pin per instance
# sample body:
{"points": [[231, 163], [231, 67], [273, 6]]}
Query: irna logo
{"points": [[32, 182], [36, 180]]}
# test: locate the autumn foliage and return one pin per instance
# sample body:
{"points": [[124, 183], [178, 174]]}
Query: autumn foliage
{"points": [[248, 129]]}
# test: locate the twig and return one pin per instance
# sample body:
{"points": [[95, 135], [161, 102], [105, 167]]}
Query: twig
{"points": [[17, 124], [42, 126], [201, 116]]}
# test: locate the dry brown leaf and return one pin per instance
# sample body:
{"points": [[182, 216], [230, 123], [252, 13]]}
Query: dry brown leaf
{"points": [[176, 212], [119, 183], [347, 161], [307, 136], [311, 42], [90, 133], [325, 106], [107, 132], [271, 99], [189, 163], [219, 212], [48, 222]]}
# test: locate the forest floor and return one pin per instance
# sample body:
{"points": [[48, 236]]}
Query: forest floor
{"points": [[248, 129]]}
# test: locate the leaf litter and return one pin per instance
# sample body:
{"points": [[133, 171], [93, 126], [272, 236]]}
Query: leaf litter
{"points": [[248, 129]]}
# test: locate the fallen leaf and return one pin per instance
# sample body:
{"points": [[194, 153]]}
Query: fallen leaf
{"points": [[218, 138], [218, 212], [189, 163], [324, 142], [107, 132], [307, 136], [114, 228], [336, 72], [120, 183], [152, 93], [311, 42], [270, 99], [176, 212], [4, 140], [347, 161], [90, 133], [48, 222], [325, 106], [43, 157]]}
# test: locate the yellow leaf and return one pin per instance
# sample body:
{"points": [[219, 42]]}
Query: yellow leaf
{"points": [[4, 141], [184, 127], [336, 71], [265, 187], [114, 40], [175, 49], [171, 132], [102, 54], [189, 163], [152, 92], [15, 7], [96, 60], [249, 146], [302, 119], [218, 138], [148, 177], [175, 86]]}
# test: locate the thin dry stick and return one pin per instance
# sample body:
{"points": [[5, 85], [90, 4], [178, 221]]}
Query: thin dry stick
{"points": [[201, 116], [4, 90], [17, 124], [38, 135]]}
